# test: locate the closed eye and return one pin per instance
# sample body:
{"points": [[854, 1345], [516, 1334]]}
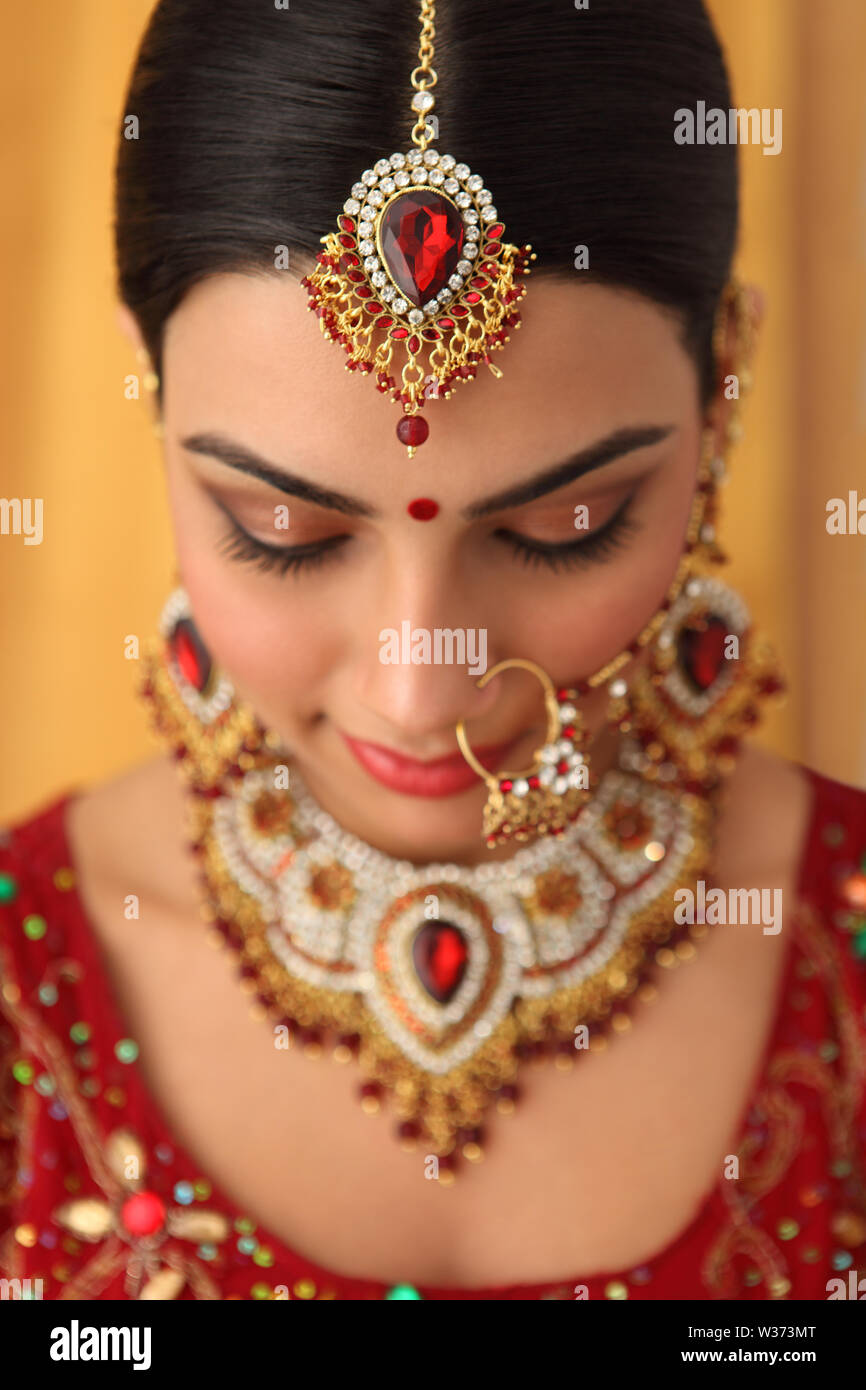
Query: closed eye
{"points": [[596, 546], [240, 545]]}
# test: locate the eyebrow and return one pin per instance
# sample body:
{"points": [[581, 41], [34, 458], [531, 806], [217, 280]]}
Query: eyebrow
{"points": [[614, 446], [236, 456], [596, 455]]}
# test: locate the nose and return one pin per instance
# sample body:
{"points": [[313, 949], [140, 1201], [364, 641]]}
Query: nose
{"points": [[419, 658]]}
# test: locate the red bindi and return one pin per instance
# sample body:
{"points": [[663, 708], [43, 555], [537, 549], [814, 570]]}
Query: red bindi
{"points": [[423, 509]]}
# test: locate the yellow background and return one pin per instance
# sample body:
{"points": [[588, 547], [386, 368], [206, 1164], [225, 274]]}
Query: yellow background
{"points": [[105, 565]]}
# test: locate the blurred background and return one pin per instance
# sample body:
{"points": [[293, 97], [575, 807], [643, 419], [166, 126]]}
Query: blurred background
{"points": [[67, 713]]}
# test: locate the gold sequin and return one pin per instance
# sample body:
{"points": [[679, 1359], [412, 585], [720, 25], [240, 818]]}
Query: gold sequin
{"points": [[305, 1288], [64, 879], [26, 1235], [849, 1228]]}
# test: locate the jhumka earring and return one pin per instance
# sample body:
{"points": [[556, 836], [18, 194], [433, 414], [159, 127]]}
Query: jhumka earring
{"points": [[214, 736], [418, 270]]}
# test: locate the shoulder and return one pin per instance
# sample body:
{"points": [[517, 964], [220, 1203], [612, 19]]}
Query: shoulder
{"points": [[766, 817]]}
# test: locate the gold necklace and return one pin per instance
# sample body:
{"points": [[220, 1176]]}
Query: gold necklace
{"points": [[441, 980]]}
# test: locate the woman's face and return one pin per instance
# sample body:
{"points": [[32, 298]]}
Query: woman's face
{"points": [[295, 586]]}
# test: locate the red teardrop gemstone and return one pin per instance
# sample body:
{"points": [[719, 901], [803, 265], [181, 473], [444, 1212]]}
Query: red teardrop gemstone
{"points": [[701, 650], [440, 955], [421, 235], [143, 1214], [191, 654]]}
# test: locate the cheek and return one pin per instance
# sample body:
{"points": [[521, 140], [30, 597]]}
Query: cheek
{"points": [[267, 632]]}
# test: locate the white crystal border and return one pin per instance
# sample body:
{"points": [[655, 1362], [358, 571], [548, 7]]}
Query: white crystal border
{"points": [[177, 606], [401, 173], [701, 590]]}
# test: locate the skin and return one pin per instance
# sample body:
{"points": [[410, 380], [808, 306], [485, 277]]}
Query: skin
{"points": [[626, 1148]]}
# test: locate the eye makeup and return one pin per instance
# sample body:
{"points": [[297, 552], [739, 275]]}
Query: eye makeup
{"points": [[596, 546]]}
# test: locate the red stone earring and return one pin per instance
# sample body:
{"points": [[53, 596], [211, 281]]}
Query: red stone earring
{"points": [[418, 269], [194, 708]]}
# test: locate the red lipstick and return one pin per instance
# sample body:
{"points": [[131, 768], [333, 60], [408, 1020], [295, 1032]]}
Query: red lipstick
{"points": [[439, 777]]}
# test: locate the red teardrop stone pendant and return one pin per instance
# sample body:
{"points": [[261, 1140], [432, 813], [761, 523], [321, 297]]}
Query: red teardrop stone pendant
{"points": [[421, 235], [191, 654], [701, 650], [440, 955]]}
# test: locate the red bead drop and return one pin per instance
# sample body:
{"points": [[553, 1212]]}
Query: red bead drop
{"points": [[412, 430]]}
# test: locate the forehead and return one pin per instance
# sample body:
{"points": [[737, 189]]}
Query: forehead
{"points": [[243, 356]]}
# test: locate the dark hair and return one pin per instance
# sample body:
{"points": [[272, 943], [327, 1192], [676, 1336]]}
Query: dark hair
{"points": [[254, 122]]}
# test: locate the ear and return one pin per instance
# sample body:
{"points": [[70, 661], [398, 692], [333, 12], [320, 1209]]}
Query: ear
{"points": [[128, 325], [737, 343]]}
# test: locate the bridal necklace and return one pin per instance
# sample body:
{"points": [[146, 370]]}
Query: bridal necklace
{"points": [[441, 980]]}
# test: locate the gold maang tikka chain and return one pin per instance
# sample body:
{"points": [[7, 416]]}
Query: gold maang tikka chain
{"points": [[418, 284]]}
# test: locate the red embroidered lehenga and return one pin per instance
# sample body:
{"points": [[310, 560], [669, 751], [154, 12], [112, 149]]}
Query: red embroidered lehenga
{"points": [[73, 1107]]}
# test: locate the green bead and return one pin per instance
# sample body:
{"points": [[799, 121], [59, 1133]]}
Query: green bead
{"points": [[23, 1072], [400, 1291], [48, 994], [35, 926], [263, 1257], [262, 1291], [126, 1050], [80, 1032], [8, 888], [858, 945]]}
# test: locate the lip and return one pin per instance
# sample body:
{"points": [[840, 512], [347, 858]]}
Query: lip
{"points": [[439, 777]]}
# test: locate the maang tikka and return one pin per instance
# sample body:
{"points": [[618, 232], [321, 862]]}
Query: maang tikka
{"points": [[418, 271]]}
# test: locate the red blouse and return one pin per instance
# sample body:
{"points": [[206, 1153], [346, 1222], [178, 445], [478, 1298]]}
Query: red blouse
{"points": [[92, 1180]]}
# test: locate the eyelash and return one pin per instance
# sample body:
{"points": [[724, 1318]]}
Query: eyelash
{"points": [[598, 546], [239, 545]]}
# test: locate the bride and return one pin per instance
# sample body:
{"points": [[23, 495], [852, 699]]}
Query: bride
{"points": [[460, 887]]}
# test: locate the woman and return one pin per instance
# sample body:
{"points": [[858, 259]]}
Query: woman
{"points": [[361, 636]]}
